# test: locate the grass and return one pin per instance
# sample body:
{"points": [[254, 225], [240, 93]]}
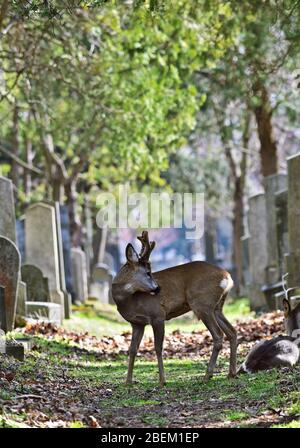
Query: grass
{"points": [[103, 320], [235, 415], [293, 424]]}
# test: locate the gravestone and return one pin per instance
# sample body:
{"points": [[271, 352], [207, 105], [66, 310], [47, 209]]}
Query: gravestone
{"points": [[79, 271], [10, 262], [100, 286], [293, 257], [20, 227], [22, 298], [44, 311], [258, 256], [62, 275], [88, 236], [12, 229], [42, 247], [37, 288], [3, 325], [282, 227], [66, 242], [7, 212], [273, 184]]}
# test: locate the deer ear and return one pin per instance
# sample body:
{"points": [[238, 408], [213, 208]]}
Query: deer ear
{"points": [[131, 254], [286, 307]]}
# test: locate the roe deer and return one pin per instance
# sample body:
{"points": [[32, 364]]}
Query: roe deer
{"points": [[277, 352], [144, 298]]}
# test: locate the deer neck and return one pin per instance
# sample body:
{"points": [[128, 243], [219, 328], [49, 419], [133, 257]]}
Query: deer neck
{"points": [[120, 292]]}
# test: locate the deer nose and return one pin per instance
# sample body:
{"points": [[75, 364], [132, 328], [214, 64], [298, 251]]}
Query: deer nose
{"points": [[157, 290]]}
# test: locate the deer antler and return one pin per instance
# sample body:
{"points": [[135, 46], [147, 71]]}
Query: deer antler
{"points": [[147, 246]]}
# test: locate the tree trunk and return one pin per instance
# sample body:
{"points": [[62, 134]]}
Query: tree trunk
{"points": [[75, 224], [15, 147], [238, 176], [57, 190], [238, 231], [27, 179], [263, 116]]}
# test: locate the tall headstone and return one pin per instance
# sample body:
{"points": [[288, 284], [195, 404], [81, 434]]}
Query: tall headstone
{"points": [[42, 247], [66, 242], [79, 270], [273, 184], [37, 290], [7, 212], [62, 275], [258, 257], [88, 235], [293, 257], [282, 227], [9, 228], [10, 262]]}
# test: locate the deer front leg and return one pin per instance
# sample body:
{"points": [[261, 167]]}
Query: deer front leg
{"points": [[159, 335], [137, 336]]}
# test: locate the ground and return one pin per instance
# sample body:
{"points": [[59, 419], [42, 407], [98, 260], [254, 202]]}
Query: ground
{"points": [[76, 379]]}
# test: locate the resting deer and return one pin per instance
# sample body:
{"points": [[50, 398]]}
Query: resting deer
{"points": [[144, 298], [277, 352]]}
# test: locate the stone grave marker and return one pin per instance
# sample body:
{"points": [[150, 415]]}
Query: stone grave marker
{"points": [[3, 325], [293, 256], [7, 211], [10, 262], [44, 311], [42, 247], [79, 270], [37, 288], [12, 229], [20, 226], [282, 227], [273, 184], [101, 283], [66, 242], [258, 255], [22, 298]]}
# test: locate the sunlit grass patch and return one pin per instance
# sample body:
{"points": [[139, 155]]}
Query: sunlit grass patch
{"points": [[235, 415], [292, 424], [104, 320]]}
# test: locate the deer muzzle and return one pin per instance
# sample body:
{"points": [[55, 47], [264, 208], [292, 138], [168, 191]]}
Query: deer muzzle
{"points": [[156, 291]]}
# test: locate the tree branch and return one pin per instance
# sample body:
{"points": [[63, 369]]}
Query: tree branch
{"points": [[21, 162]]}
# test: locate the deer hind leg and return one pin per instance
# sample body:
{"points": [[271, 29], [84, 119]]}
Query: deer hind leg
{"points": [[137, 336], [230, 332], [210, 321], [159, 335]]}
